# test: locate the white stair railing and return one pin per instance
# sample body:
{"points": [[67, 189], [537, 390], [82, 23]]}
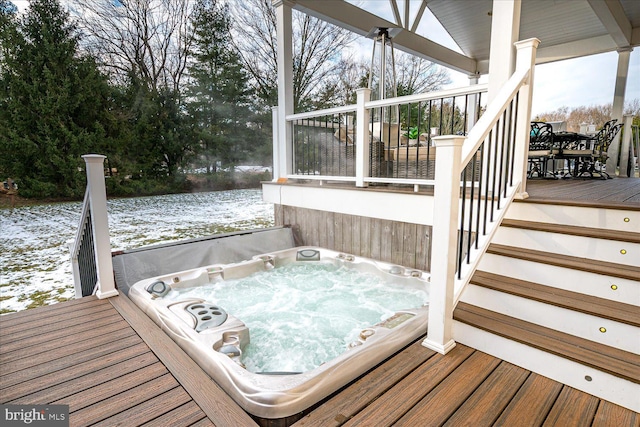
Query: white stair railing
{"points": [[477, 177], [91, 249]]}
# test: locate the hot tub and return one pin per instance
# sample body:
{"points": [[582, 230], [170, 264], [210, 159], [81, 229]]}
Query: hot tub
{"points": [[217, 338]]}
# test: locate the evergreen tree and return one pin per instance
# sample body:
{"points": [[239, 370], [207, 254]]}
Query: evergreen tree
{"points": [[220, 97], [52, 103]]}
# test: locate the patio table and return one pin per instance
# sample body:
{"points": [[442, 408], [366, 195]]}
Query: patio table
{"points": [[574, 146]]}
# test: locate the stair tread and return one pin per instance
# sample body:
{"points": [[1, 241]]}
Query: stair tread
{"points": [[622, 271], [604, 308], [597, 204], [608, 359], [598, 233]]}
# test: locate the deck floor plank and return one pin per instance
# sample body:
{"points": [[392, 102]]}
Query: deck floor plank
{"points": [[441, 402], [357, 396], [54, 322], [496, 392], [38, 338], [149, 409], [531, 404], [71, 353], [206, 422], [54, 377], [68, 307], [70, 359], [411, 389], [572, 408], [183, 416], [611, 415], [91, 388], [124, 400], [620, 192], [72, 344]]}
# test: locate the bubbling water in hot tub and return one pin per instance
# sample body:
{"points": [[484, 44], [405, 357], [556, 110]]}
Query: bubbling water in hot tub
{"points": [[301, 315]]}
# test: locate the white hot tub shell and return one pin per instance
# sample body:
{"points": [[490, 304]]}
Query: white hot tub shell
{"points": [[215, 339]]}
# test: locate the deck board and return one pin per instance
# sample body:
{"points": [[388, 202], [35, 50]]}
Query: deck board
{"points": [[572, 408], [99, 375], [609, 414], [496, 392], [359, 394], [389, 407], [438, 406], [70, 360], [615, 192], [21, 359], [123, 401], [142, 378], [184, 415], [531, 404], [95, 387]]}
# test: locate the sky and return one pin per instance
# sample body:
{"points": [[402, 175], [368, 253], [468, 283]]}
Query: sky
{"points": [[572, 83]]}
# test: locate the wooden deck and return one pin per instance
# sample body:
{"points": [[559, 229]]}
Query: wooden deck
{"points": [[113, 366], [615, 192]]}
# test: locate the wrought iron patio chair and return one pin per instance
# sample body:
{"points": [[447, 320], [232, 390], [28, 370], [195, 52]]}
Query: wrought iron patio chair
{"points": [[602, 141], [540, 150]]}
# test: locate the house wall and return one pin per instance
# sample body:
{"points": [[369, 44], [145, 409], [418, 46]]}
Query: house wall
{"points": [[402, 243]]}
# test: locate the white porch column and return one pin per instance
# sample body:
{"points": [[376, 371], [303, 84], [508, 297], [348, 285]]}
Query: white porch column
{"points": [[362, 136], [100, 223], [472, 109], [626, 147], [277, 145], [624, 56], [443, 258], [505, 31], [526, 58], [285, 84]]}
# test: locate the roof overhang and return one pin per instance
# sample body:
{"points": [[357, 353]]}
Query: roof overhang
{"points": [[567, 28], [359, 21]]}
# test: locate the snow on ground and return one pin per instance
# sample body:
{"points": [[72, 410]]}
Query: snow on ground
{"points": [[35, 266]]}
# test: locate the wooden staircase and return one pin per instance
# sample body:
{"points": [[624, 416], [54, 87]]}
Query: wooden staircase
{"points": [[558, 293]]}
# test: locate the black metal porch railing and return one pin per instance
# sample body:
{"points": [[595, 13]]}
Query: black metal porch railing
{"points": [[324, 145], [408, 147], [485, 182], [324, 142], [83, 253]]}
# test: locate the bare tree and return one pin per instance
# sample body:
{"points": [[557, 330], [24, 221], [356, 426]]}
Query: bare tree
{"points": [[148, 39], [316, 50], [417, 75]]}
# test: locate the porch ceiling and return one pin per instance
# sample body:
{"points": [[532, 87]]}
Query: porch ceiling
{"points": [[566, 28]]}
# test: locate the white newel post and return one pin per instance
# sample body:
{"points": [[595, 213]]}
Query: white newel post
{"points": [[526, 58], [443, 258], [625, 147], [100, 224], [362, 136]]}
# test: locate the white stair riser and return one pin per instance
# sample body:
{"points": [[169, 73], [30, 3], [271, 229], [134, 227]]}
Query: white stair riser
{"points": [[605, 386], [619, 335], [564, 244], [626, 291], [610, 219]]}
